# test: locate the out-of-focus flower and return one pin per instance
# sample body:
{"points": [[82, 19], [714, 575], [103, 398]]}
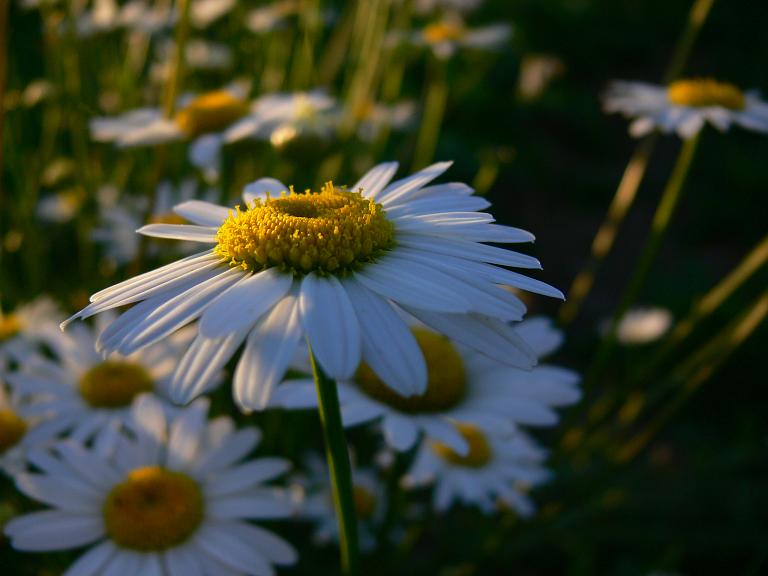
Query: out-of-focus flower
{"points": [[80, 392], [684, 106], [284, 118], [200, 55], [536, 72], [26, 327], [315, 502], [271, 16], [202, 119], [372, 117], [463, 386], [62, 206], [432, 6], [449, 34], [173, 498], [642, 325], [497, 471], [328, 266]]}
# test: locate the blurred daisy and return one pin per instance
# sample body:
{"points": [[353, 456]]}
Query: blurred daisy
{"points": [[449, 34], [154, 17], [373, 117], [430, 6], [18, 433], [462, 386], [642, 325], [316, 502], [103, 16], [61, 207], [497, 471], [174, 500], [119, 218], [201, 119], [685, 106], [284, 118], [81, 392], [329, 266], [272, 16], [201, 55], [27, 326]]}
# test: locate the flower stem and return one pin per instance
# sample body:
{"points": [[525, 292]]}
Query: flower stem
{"points": [[338, 463], [661, 219]]}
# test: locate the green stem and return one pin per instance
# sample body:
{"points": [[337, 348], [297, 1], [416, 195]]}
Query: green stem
{"points": [[661, 220], [338, 463]]}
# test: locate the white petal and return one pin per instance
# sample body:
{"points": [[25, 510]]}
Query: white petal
{"points": [[54, 530], [205, 152], [401, 190], [92, 563], [389, 346], [231, 450], [375, 179], [261, 506], [242, 305], [246, 476], [262, 188], [400, 432], [185, 435], [232, 552], [468, 250], [331, 325], [269, 349], [64, 493], [202, 213], [180, 232]]}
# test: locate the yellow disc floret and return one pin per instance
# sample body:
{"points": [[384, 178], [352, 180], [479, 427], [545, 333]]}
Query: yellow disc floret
{"points": [[153, 509], [479, 450], [210, 112], [702, 92], [331, 231], [114, 384], [446, 378], [9, 326], [444, 31], [12, 429]]}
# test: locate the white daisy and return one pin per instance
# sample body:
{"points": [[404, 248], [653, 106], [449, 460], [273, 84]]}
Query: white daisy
{"points": [[29, 325], [497, 471], [201, 119], [80, 392], [642, 325], [463, 386], [373, 117], [172, 501], [272, 16], [331, 266], [283, 118], [316, 502], [449, 34], [684, 106]]}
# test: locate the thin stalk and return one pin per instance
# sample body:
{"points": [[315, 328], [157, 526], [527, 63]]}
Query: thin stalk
{"points": [[633, 175], [337, 456], [698, 370], [661, 220], [4, 7], [434, 111]]}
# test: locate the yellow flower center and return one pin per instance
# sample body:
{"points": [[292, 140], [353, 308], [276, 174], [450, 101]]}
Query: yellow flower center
{"points": [[9, 326], [444, 31], [365, 502], [479, 450], [12, 429], [167, 218], [114, 384], [446, 379], [331, 231], [210, 112], [703, 92], [153, 509]]}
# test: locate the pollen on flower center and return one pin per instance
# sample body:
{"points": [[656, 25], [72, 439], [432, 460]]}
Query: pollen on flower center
{"points": [[9, 326], [705, 92], [210, 112], [12, 429], [446, 378], [479, 450], [331, 231], [114, 383], [444, 31], [153, 509]]}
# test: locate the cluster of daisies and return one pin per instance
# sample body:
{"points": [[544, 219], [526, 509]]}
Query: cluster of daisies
{"points": [[403, 297]]}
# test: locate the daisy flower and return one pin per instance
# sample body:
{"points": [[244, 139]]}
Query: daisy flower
{"points": [[201, 119], [333, 267], [373, 117], [497, 471], [641, 325], [462, 386], [316, 502], [81, 391], [283, 118], [18, 433], [173, 500], [27, 326], [684, 106], [449, 34]]}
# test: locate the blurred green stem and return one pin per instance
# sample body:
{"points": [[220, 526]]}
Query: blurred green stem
{"points": [[633, 175], [179, 59], [434, 110], [4, 7], [661, 220], [337, 456]]}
